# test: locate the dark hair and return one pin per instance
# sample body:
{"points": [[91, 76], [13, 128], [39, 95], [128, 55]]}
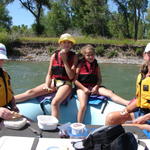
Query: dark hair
{"points": [[144, 69]]}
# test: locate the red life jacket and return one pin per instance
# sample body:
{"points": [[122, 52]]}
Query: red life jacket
{"points": [[58, 69], [88, 74]]}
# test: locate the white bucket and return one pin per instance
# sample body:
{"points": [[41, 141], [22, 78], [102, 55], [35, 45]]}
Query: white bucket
{"points": [[77, 128], [46, 122]]}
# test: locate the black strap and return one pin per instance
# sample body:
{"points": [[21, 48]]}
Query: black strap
{"points": [[143, 144], [106, 102], [35, 143]]}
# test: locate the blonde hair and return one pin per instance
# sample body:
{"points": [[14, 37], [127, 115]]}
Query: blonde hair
{"points": [[87, 47]]}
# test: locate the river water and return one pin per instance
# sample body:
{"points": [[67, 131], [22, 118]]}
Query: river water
{"points": [[120, 78]]}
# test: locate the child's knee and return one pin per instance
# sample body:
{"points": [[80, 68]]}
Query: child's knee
{"points": [[110, 118]]}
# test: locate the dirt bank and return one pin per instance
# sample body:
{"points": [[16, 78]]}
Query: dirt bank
{"points": [[41, 52]]}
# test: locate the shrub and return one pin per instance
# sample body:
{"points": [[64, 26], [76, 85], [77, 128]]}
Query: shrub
{"points": [[100, 51], [139, 51], [4, 37], [112, 54], [51, 49]]}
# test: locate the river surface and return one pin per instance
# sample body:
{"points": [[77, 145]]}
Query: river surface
{"points": [[120, 78]]}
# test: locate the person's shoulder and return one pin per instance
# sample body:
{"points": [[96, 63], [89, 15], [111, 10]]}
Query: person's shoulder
{"points": [[6, 73], [139, 75]]}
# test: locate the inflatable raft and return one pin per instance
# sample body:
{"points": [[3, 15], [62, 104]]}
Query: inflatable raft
{"points": [[97, 109]]}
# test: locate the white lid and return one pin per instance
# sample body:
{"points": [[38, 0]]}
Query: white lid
{"points": [[47, 120], [78, 126]]}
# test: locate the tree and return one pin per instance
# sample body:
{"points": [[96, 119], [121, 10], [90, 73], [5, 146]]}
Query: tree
{"points": [[123, 9], [36, 8], [5, 19], [132, 10], [147, 24], [137, 8], [91, 16], [57, 19]]}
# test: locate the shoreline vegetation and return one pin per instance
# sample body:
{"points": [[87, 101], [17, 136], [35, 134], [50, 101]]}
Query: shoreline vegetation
{"points": [[107, 50], [117, 60]]}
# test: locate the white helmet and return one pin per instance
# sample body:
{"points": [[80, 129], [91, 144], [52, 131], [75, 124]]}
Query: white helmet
{"points": [[147, 48], [3, 53]]}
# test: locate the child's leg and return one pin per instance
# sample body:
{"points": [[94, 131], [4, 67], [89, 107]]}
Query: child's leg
{"points": [[118, 117], [61, 95], [83, 103], [37, 91], [105, 92]]}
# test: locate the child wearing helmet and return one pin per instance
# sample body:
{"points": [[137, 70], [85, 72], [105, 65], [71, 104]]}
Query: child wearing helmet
{"points": [[88, 81], [61, 73], [7, 101], [137, 113]]}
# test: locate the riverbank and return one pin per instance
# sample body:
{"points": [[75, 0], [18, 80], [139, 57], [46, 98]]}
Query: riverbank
{"points": [[41, 52], [117, 60]]}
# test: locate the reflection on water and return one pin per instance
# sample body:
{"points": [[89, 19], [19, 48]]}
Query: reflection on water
{"points": [[120, 78]]}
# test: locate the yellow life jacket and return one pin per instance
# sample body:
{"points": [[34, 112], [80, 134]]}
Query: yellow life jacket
{"points": [[143, 92], [4, 100]]}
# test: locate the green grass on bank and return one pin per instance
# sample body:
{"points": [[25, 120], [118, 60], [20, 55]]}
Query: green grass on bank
{"points": [[91, 40], [7, 38]]}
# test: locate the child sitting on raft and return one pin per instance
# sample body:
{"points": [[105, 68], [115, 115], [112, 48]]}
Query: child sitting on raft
{"points": [[88, 81], [138, 112], [60, 74]]}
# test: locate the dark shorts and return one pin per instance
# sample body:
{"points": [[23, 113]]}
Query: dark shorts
{"points": [[141, 112]]}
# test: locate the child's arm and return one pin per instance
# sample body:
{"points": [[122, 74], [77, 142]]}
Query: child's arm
{"points": [[48, 79], [129, 108], [69, 70], [142, 119], [141, 126]]}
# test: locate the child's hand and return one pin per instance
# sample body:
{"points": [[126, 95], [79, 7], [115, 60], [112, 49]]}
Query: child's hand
{"points": [[63, 54], [5, 113], [46, 88], [94, 90], [86, 90]]}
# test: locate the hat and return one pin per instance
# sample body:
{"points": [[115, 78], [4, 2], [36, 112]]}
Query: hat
{"points": [[147, 48], [66, 37], [3, 53]]}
